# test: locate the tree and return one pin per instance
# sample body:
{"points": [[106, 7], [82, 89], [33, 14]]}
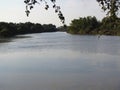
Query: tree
{"points": [[30, 5], [111, 6], [86, 25]]}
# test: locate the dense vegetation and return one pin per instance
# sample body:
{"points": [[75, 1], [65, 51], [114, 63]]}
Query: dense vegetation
{"points": [[90, 25], [12, 29]]}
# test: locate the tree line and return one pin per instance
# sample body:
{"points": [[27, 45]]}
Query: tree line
{"points": [[90, 25], [12, 29]]}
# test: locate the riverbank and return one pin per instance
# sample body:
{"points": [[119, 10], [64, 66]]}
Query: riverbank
{"points": [[100, 32], [13, 29], [82, 26], [91, 26]]}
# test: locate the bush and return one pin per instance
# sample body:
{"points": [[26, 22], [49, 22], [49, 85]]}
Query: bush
{"points": [[84, 25]]}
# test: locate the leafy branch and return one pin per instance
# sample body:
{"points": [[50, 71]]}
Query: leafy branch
{"points": [[30, 5], [111, 6]]}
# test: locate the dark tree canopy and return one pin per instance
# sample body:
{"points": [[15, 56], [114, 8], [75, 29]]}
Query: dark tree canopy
{"points": [[13, 29], [111, 6], [30, 5]]}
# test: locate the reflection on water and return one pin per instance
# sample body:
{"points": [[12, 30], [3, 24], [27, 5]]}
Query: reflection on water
{"points": [[59, 61]]}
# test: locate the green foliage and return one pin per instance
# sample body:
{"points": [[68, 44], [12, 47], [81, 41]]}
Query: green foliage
{"points": [[12, 29], [7, 29], [83, 25], [90, 25], [49, 28], [110, 26]]}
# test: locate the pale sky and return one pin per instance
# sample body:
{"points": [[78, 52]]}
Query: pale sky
{"points": [[14, 11]]}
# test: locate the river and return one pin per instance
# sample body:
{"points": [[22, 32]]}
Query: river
{"points": [[60, 61]]}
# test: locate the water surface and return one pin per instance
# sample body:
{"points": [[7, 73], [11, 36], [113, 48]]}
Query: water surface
{"points": [[60, 61]]}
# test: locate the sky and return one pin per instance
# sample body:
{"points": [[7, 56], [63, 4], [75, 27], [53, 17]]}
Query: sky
{"points": [[14, 11]]}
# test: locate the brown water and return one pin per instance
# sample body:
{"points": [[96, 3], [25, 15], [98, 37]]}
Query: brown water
{"points": [[60, 61]]}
